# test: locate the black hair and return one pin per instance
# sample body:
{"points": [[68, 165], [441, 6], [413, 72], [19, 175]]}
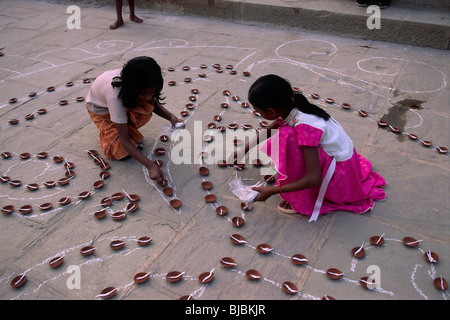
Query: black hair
{"points": [[138, 74], [272, 91]]}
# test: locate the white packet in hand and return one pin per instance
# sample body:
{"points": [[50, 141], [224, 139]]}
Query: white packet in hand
{"points": [[242, 191]]}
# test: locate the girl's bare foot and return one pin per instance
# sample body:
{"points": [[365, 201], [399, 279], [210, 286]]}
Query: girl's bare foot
{"points": [[285, 207], [116, 24], [135, 19]]}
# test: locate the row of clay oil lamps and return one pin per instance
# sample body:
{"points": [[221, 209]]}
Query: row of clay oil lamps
{"points": [[217, 68], [85, 251], [383, 124], [70, 174], [42, 111]]}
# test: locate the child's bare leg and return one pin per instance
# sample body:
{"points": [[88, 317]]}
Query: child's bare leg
{"points": [[119, 20], [133, 17]]}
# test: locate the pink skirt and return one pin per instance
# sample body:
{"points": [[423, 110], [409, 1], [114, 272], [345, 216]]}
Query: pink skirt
{"points": [[353, 186]]}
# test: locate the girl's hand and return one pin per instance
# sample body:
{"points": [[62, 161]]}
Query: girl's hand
{"points": [[264, 193], [176, 123], [155, 173]]}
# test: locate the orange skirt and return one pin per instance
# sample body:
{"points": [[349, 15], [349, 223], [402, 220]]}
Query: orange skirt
{"points": [[109, 136]]}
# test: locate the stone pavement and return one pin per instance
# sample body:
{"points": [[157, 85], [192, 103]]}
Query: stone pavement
{"points": [[404, 85]]}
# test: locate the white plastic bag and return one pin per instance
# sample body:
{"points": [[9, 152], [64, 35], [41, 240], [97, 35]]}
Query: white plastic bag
{"points": [[242, 191]]}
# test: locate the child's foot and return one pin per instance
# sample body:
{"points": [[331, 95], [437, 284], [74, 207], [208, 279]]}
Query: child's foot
{"points": [[135, 19], [285, 207], [116, 24]]}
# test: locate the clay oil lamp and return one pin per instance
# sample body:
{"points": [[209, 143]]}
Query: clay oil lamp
{"points": [[144, 241], [12, 100], [64, 201], [133, 197], [264, 123], [50, 89], [346, 106], [174, 276], [79, 99], [227, 262], [253, 274], [210, 198], [86, 251], [86, 81], [221, 210], [442, 150], [160, 151], [25, 209], [58, 159], [426, 143], [175, 203], [187, 80], [440, 283], [192, 98], [119, 215], [13, 121], [50, 184], [394, 129], [186, 68], [15, 183], [208, 138], [168, 191], [237, 221], [211, 125], [24, 155], [107, 293], [363, 113], [4, 179], [18, 281], [222, 163], [257, 114], [63, 102], [100, 214], [132, 207], [204, 171], [195, 91], [158, 162], [329, 100], [92, 153], [163, 183], [377, 240], [190, 106], [84, 195], [221, 128], [247, 126], [233, 126], [29, 116], [104, 174], [246, 73], [226, 92], [289, 287], [327, 297], [32, 186], [45, 206], [106, 202], [32, 94], [411, 242], [8, 209], [246, 206], [171, 69], [141, 277], [56, 262], [224, 105], [206, 277], [237, 239], [216, 65], [70, 173], [264, 248], [431, 257], [207, 185], [117, 196], [233, 72], [217, 117], [203, 66], [202, 75], [117, 244], [42, 111], [105, 166], [334, 273], [382, 123], [172, 83], [6, 154], [298, 259], [42, 155], [235, 98], [358, 252], [315, 96], [184, 113], [63, 181], [99, 184], [364, 282], [69, 165]]}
